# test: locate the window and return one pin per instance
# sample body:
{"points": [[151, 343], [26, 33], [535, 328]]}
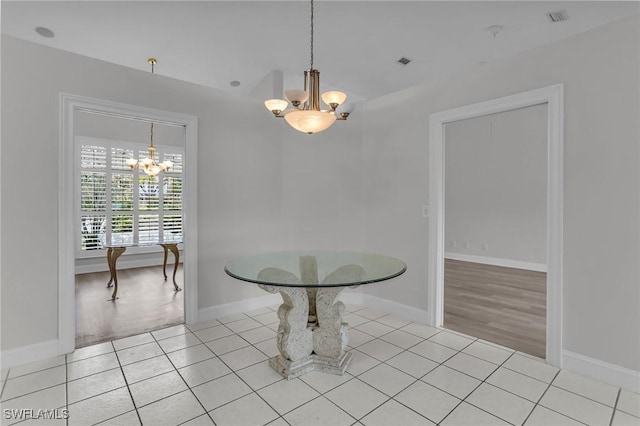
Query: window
{"points": [[118, 205]]}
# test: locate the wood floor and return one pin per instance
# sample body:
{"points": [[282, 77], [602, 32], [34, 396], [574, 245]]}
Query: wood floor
{"points": [[146, 302], [502, 305]]}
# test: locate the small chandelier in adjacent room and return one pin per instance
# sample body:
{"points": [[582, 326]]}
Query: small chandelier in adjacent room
{"points": [[149, 164], [306, 115]]}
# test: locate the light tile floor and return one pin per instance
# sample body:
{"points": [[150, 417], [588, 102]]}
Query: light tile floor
{"points": [[402, 373]]}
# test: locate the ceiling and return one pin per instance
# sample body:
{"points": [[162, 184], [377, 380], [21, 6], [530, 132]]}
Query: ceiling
{"points": [[357, 43]]}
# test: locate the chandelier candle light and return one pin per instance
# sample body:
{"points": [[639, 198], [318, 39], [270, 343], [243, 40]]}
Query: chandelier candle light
{"points": [[149, 164], [306, 115]]}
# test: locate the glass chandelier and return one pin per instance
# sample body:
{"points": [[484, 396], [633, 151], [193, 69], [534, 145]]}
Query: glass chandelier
{"points": [[306, 115], [149, 164]]}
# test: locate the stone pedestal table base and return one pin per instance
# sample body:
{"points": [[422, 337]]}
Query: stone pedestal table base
{"points": [[311, 334]]}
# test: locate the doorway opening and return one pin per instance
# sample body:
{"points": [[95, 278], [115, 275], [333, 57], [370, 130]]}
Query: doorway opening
{"points": [[132, 220], [552, 97], [129, 228], [495, 228]]}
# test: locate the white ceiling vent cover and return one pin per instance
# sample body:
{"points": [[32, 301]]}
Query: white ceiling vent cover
{"points": [[558, 16]]}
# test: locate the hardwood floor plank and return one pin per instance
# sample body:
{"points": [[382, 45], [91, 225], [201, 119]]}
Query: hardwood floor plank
{"points": [[506, 306], [146, 302]]}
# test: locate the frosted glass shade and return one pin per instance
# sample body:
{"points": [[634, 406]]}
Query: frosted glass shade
{"points": [[296, 95], [310, 121], [132, 162], [276, 104], [153, 170], [334, 97]]}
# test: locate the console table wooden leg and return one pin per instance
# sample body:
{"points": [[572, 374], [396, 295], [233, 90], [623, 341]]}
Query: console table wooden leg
{"points": [[176, 254], [113, 253]]}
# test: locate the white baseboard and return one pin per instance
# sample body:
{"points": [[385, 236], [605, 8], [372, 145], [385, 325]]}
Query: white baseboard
{"points": [[395, 308], [356, 298], [25, 354], [507, 263], [124, 264], [246, 305], [603, 371], [352, 298]]}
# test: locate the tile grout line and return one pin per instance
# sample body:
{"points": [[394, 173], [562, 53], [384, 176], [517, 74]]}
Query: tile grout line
{"points": [[542, 396], [615, 406], [439, 364], [498, 387], [186, 331], [474, 389], [234, 372], [35, 391], [126, 382], [66, 389], [281, 416], [4, 382], [320, 393], [583, 396], [182, 378], [458, 351], [98, 394]]}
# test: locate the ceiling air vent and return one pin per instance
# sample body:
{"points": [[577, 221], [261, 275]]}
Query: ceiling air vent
{"points": [[404, 61], [558, 16]]}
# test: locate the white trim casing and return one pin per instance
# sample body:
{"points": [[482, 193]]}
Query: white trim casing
{"points": [[69, 104], [553, 96]]}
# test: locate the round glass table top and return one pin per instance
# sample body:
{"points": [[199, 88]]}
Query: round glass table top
{"points": [[315, 268]]}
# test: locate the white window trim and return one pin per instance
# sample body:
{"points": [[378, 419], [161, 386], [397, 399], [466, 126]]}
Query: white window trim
{"points": [[136, 147]]}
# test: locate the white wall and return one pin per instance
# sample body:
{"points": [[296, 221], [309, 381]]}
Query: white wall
{"points": [[496, 186], [243, 154], [322, 187], [600, 72]]}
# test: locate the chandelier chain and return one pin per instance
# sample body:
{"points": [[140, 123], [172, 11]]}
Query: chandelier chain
{"points": [[152, 62], [311, 35]]}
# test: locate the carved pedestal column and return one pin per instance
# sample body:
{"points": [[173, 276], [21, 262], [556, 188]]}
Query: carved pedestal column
{"points": [[294, 339], [311, 334]]}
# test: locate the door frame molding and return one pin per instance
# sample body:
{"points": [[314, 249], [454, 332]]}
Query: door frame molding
{"points": [[553, 96], [69, 105]]}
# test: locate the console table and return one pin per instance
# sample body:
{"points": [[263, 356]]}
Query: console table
{"points": [[311, 334], [115, 251]]}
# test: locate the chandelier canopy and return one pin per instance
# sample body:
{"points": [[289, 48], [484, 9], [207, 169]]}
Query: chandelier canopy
{"points": [[305, 114], [149, 165]]}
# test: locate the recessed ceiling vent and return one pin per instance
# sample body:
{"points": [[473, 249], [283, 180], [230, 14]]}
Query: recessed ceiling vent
{"points": [[404, 61], [558, 16]]}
